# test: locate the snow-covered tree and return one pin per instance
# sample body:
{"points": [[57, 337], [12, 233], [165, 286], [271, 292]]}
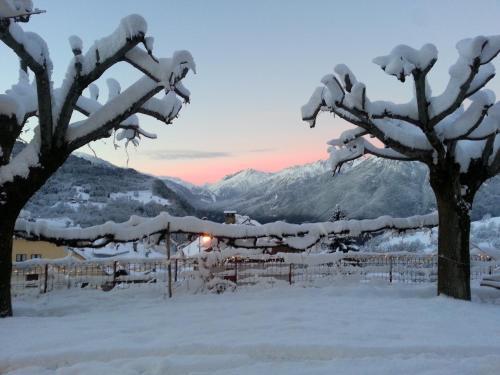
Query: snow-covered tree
{"points": [[455, 133], [343, 242], [337, 214], [56, 133]]}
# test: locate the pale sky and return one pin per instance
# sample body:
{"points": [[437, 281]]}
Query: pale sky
{"points": [[258, 62]]}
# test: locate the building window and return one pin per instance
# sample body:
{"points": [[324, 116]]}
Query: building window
{"points": [[36, 256], [21, 257]]}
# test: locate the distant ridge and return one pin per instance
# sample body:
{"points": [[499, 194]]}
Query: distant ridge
{"points": [[86, 190]]}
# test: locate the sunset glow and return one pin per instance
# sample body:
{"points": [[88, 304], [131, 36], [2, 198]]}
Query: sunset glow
{"points": [[211, 170]]}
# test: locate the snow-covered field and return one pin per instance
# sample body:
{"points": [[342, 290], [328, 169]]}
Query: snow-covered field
{"points": [[343, 329], [143, 196]]}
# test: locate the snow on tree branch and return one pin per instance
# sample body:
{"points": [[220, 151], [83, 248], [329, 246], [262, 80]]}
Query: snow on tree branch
{"points": [[113, 114], [21, 164], [167, 72], [17, 105], [29, 46], [165, 110], [404, 60], [34, 53], [87, 68], [427, 129], [54, 107], [137, 98], [470, 73], [137, 228], [159, 74], [20, 101], [18, 10], [348, 148], [462, 122]]}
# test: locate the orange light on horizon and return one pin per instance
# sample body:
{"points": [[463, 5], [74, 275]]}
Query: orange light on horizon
{"points": [[207, 171]]}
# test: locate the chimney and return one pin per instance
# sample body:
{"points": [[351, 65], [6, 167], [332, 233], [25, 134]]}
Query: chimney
{"points": [[230, 217]]}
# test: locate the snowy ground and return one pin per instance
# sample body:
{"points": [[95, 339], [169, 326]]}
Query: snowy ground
{"points": [[343, 329], [143, 196]]}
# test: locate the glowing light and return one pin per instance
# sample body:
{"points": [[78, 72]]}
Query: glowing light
{"points": [[206, 239]]}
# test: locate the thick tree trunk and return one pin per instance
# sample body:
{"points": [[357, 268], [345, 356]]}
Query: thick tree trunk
{"points": [[453, 240], [15, 195], [7, 222]]}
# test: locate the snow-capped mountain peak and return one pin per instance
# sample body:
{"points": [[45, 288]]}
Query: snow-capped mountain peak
{"points": [[365, 188]]}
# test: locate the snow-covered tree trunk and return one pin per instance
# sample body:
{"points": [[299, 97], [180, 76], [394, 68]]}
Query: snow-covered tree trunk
{"points": [[453, 234], [15, 195], [55, 136], [455, 133], [7, 222]]}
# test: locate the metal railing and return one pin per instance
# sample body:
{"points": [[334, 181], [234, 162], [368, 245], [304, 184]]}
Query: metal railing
{"points": [[42, 276], [364, 267]]}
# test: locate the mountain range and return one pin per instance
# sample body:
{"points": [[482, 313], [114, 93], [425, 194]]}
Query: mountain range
{"points": [[89, 191], [366, 188]]}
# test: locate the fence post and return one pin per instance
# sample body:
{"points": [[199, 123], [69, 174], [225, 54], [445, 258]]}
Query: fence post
{"points": [[69, 277], [390, 268], [175, 272], [46, 279], [115, 266], [236, 271], [290, 274], [169, 266]]}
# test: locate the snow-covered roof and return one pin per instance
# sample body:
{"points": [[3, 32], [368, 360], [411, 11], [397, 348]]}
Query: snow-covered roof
{"points": [[119, 251], [197, 246], [246, 220]]}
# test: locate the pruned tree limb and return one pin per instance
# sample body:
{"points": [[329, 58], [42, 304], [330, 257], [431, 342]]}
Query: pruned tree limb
{"points": [[138, 228], [81, 81], [99, 124], [42, 71]]}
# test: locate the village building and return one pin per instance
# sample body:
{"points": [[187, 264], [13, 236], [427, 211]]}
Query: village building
{"points": [[26, 250]]}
